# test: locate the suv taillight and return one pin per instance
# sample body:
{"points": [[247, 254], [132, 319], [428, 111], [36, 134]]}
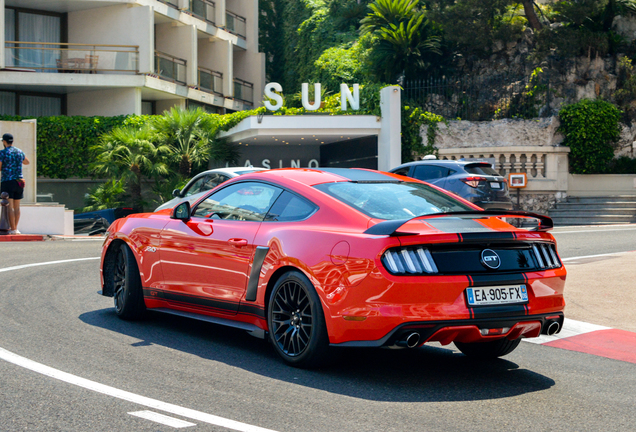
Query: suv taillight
{"points": [[473, 181]]}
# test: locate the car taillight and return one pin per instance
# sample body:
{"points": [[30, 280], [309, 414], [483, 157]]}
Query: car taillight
{"points": [[473, 181], [409, 261]]}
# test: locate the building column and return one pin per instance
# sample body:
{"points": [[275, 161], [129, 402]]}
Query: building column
{"points": [[389, 138]]}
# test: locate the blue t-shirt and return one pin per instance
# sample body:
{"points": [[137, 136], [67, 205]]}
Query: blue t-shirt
{"points": [[11, 159]]}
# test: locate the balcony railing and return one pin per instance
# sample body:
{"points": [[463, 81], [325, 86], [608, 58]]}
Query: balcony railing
{"points": [[204, 9], [210, 81], [70, 57], [170, 68], [235, 24], [243, 90]]}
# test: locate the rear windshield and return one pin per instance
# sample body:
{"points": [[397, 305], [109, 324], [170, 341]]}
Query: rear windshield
{"points": [[483, 169], [393, 200]]}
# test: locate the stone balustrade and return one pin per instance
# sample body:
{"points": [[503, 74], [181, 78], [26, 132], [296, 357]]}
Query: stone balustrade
{"points": [[545, 166]]}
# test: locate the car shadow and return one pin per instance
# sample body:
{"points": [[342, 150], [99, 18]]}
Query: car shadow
{"points": [[427, 374]]}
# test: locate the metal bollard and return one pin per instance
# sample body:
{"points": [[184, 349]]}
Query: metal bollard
{"points": [[4, 216]]}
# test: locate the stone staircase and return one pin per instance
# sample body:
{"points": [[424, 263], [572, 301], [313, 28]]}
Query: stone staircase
{"points": [[619, 209]]}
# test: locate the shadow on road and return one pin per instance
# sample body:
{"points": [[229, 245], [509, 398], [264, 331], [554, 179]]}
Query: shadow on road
{"points": [[428, 374]]}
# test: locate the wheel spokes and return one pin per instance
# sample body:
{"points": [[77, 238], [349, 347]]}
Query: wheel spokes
{"points": [[292, 319], [119, 281]]}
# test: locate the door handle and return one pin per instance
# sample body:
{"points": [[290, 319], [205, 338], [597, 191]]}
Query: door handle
{"points": [[238, 242]]}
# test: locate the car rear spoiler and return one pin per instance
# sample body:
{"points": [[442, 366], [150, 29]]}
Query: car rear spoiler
{"points": [[390, 227]]}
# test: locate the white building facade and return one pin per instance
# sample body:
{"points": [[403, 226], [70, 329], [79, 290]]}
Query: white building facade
{"points": [[114, 57]]}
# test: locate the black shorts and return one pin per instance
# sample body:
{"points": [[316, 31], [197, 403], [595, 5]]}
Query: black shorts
{"points": [[13, 189]]}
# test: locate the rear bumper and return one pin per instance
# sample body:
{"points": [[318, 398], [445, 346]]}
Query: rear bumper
{"points": [[466, 331]]}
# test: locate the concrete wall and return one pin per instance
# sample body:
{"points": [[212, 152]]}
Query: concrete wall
{"points": [[2, 49], [498, 133], [601, 184], [46, 219], [108, 102], [179, 41], [116, 25], [24, 137], [218, 55]]}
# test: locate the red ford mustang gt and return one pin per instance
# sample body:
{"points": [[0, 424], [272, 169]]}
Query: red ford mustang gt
{"points": [[317, 258]]}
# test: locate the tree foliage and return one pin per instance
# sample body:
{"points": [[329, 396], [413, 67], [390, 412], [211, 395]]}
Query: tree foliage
{"points": [[591, 128], [129, 153], [406, 43]]}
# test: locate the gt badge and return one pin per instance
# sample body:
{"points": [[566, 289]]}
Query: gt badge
{"points": [[490, 259]]}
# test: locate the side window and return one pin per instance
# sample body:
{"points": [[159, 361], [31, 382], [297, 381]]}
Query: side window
{"points": [[213, 181], [241, 201], [290, 207], [402, 171], [430, 172], [197, 186]]}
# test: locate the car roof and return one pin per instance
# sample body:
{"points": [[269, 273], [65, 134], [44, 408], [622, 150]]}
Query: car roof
{"points": [[444, 162], [231, 171], [314, 176]]}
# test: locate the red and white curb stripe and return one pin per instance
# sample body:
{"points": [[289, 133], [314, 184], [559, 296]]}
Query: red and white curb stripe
{"points": [[592, 339]]}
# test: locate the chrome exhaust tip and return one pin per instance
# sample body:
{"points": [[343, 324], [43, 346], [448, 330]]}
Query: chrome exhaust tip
{"points": [[553, 328], [412, 340]]}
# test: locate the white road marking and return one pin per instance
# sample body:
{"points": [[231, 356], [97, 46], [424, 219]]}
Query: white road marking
{"points": [[20, 267], [594, 256], [163, 419], [570, 328], [592, 230], [128, 396]]}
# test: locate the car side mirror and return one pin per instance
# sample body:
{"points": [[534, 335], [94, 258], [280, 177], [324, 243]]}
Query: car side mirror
{"points": [[176, 193], [181, 212]]}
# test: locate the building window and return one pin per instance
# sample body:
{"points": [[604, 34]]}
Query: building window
{"points": [[22, 25], [31, 104]]}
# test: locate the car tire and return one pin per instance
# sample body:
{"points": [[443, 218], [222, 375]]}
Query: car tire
{"points": [[296, 322], [127, 292], [486, 350]]}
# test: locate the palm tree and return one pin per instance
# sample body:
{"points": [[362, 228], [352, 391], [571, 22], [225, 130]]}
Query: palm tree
{"points": [[386, 12], [128, 153], [187, 133], [104, 196], [405, 44]]}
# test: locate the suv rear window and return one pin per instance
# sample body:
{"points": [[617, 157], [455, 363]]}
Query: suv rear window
{"points": [[430, 172], [483, 169]]}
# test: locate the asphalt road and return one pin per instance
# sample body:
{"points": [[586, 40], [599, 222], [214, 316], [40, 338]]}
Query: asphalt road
{"points": [[194, 371]]}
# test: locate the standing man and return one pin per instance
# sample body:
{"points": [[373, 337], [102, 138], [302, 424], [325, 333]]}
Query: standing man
{"points": [[12, 182]]}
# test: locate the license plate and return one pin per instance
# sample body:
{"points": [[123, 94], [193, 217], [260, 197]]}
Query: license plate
{"points": [[497, 295], [495, 185]]}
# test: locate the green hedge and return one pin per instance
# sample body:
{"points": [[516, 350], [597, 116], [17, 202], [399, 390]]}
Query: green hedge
{"points": [[591, 128], [64, 143]]}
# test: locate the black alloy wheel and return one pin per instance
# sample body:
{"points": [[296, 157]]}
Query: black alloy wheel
{"points": [[488, 350], [128, 295], [296, 321]]}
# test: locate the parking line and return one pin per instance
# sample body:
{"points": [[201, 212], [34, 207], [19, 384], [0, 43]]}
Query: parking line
{"points": [[594, 256], [163, 419], [20, 267], [127, 396], [592, 230]]}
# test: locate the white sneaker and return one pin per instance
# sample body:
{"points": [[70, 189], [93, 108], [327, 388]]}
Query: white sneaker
{"points": [[17, 232], [11, 232]]}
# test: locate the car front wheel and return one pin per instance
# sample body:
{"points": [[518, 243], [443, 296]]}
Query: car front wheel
{"points": [[485, 350], [128, 294], [296, 322]]}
